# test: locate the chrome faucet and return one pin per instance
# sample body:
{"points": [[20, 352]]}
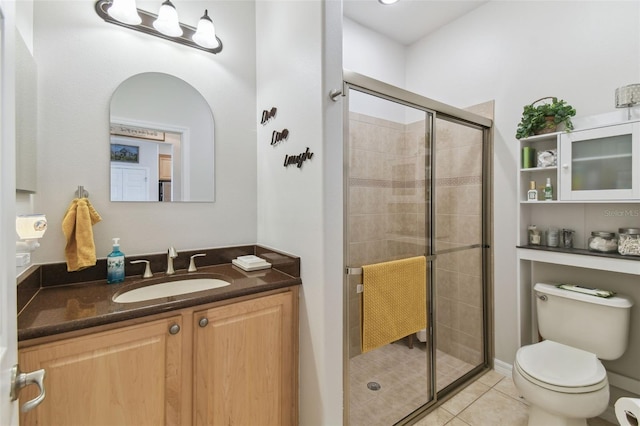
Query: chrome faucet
{"points": [[171, 254]]}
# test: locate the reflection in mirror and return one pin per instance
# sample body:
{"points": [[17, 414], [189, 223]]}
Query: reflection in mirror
{"points": [[161, 141]]}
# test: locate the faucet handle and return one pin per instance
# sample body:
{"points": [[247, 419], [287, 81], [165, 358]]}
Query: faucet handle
{"points": [[147, 269], [192, 262]]}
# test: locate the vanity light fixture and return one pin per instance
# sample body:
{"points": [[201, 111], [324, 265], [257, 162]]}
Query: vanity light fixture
{"points": [[205, 35], [167, 22], [164, 25], [125, 11]]}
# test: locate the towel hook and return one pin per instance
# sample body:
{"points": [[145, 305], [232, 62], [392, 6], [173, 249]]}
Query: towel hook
{"points": [[81, 192]]}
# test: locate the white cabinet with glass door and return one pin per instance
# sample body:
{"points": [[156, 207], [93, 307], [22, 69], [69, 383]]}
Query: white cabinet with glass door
{"points": [[601, 164]]}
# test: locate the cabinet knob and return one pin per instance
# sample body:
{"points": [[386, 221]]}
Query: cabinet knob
{"points": [[174, 329], [203, 322], [565, 166]]}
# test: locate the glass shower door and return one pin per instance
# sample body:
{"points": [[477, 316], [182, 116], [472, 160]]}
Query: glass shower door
{"points": [[459, 247], [387, 209]]}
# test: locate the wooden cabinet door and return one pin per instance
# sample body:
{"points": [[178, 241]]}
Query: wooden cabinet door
{"points": [[164, 167], [245, 367], [127, 376]]}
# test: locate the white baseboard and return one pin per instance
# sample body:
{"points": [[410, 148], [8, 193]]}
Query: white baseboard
{"points": [[624, 382], [502, 367]]}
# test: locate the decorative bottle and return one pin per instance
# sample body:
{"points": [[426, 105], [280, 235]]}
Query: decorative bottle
{"points": [[115, 264], [548, 191], [532, 194]]}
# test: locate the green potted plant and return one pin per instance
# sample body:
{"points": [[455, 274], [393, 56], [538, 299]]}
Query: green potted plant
{"points": [[545, 117]]}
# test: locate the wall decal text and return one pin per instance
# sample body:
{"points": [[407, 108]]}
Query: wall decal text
{"points": [[297, 159], [268, 115], [279, 136]]}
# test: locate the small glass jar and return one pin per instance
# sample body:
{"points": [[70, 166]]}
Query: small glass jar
{"points": [[535, 235], [553, 237], [629, 241], [603, 242]]}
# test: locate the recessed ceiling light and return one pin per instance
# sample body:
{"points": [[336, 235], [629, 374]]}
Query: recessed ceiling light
{"points": [[388, 1]]}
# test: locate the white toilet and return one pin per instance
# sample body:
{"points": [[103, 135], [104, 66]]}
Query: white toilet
{"points": [[561, 377]]}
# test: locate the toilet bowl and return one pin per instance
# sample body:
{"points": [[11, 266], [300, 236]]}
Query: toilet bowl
{"points": [[562, 377], [571, 384]]}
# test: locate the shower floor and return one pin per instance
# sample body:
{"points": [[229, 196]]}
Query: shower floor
{"points": [[402, 375]]}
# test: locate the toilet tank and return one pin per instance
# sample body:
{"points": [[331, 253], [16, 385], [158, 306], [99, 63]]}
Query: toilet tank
{"points": [[594, 324]]}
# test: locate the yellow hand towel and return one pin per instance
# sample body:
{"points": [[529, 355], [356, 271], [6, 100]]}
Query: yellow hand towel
{"points": [[80, 250], [394, 301]]}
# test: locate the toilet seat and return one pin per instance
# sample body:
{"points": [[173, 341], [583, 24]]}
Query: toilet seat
{"points": [[561, 368]]}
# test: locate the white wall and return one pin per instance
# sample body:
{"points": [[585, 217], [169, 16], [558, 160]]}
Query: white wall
{"points": [[515, 53], [81, 61], [369, 53], [300, 209]]}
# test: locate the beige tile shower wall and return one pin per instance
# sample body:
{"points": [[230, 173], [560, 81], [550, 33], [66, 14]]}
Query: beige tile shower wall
{"points": [[387, 199], [458, 162]]}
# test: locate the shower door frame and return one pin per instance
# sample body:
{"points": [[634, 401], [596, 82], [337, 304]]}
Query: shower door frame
{"points": [[433, 110]]}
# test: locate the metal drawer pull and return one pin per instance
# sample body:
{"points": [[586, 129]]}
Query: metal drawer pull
{"points": [[203, 322], [174, 329], [20, 380]]}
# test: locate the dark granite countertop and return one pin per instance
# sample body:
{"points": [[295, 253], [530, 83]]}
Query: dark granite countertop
{"points": [[54, 309]]}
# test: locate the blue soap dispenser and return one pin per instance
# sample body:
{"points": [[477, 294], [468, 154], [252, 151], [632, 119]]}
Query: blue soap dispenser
{"points": [[115, 264]]}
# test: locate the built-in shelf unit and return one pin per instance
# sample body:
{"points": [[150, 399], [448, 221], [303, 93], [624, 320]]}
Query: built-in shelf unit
{"points": [[596, 187]]}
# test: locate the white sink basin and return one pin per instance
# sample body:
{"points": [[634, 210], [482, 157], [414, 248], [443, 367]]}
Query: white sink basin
{"points": [[173, 288]]}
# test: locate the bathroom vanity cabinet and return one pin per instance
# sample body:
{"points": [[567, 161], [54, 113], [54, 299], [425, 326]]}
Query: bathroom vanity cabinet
{"points": [[244, 363], [230, 362], [129, 375]]}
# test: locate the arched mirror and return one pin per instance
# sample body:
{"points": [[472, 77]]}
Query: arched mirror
{"points": [[161, 141]]}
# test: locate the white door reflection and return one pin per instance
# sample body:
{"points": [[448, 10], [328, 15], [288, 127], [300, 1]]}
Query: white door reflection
{"points": [[146, 170]]}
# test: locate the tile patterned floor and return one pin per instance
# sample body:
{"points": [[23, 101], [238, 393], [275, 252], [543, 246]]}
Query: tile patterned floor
{"points": [[489, 401], [492, 400], [402, 375]]}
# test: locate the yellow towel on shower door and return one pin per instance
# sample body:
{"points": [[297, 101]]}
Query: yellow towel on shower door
{"points": [[394, 301]]}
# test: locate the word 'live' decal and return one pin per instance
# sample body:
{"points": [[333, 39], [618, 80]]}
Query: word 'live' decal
{"points": [[268, 115], [279, 136]]}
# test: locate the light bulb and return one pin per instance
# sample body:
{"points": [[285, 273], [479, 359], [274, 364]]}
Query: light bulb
{"points": [[167, 22], [124, 11], [205, 34]]}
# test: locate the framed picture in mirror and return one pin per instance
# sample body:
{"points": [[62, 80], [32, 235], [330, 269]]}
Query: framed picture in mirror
{"points": [[125, 153]]}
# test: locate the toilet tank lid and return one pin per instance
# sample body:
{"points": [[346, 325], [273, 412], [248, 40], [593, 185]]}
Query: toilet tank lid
{"points": [[618, 301]]}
